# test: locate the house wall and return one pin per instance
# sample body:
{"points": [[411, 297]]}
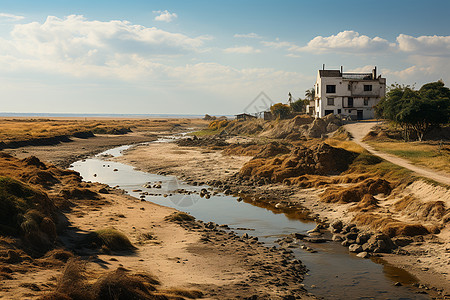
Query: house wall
{"points": [[363, 101]]}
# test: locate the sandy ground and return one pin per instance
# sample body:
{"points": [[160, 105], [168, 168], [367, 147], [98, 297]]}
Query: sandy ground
{"points": [[223, 267], [359, 131], [191, 256], [192, 163], [63, 154], [179, 255], [429, 260]]}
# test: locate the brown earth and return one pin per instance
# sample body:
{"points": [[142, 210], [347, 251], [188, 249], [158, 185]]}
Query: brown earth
{"points": [[182, 257], [362, 195]]}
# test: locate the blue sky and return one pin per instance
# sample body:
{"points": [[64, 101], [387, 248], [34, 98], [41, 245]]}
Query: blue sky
{"points": [[196, 57]]}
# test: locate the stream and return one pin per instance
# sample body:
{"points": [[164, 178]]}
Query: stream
{"points": [[334, 273]]}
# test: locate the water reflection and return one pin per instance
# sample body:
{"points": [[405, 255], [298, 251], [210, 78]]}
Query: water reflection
{"points": [[334, 273]]}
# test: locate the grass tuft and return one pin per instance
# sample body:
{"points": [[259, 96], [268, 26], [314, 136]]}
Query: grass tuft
{"points": [[111, 238], [180, 217]]}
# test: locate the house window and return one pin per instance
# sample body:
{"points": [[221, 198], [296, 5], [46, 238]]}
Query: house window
{"points": [[327, 112], [350, 102], [367, 87], [317, 93], [330, 101], [366, 101], [339, 111], [349, 87], [331, 89]]}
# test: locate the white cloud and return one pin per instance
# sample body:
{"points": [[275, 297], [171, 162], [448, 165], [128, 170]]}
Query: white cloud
{"points": [[242, 50], [346, 41], [165, 16], [119, 51], [11, 17], [277, 44], [292, 55], [250, 35], [425, 45], [75, 39]]}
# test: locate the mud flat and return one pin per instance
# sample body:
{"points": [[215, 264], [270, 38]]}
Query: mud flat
{"points": [[425, 256], [186, 257]]}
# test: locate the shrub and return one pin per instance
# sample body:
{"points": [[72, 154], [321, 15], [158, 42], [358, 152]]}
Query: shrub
{"points": [[111, 238], [180, 217]]}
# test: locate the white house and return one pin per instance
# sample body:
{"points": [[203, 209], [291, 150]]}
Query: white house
{"points": [[347, 94]]}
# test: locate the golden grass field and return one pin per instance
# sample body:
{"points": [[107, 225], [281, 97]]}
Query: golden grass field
{"points": [[427, 154], [26, 129]]}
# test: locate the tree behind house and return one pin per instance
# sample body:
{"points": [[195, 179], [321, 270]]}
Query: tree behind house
{"points": [[415, 111], [280, 110]]}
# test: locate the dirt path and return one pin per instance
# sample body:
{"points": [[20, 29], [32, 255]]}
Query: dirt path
{"points": [[360, 130]]}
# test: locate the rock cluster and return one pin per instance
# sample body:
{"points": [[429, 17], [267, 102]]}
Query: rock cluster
{"points": [[361, 242]]}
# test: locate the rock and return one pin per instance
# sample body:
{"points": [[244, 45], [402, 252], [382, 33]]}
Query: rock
{"points": [[227, 192], [13, 257], [368, 247], [115, 170], [332, 127], [351, 236], [398, 284], [103, 191], [363, 254], [336, 238], [316, 229], [245, 236], [279, 205], [337, 226], [363, 238], [381, 244], [317, 128], [402, 241], [345, 243], [315, 233], [210, 225], [355, 248], [315, 240], [348, 227]]}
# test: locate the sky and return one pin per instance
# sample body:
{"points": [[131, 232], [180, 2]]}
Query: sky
{"points": [[215, 57]]}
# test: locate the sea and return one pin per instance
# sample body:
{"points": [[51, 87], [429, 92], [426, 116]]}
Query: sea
{"points": [[80, 115]]}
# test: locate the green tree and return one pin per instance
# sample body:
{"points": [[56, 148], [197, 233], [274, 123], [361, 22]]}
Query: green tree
{"points": [[298, 105], [310, 94], [280, 110], [415, 111]]}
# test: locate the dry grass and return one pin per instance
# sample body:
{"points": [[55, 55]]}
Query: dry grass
{"points": [[389, 226], [76, 284], [367, 203], [356, 193], [110, 238], [27, 129], [180, 217], [429, 211], [347, 145], [427, 154]]}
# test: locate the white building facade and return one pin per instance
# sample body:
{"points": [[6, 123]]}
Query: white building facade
{"points": [[347, 94]]}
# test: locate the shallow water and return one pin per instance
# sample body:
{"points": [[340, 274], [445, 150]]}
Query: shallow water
{"points": [[334, 272]]}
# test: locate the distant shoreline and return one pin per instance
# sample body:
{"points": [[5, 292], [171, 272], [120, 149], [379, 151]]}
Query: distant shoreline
{"points": [[99, 116]]}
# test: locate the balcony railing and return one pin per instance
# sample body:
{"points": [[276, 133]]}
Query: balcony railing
{"points": [[357, 76]]}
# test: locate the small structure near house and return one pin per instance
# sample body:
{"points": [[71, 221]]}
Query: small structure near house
{"points": [[347, 94], [245, 117], [268, 116]]}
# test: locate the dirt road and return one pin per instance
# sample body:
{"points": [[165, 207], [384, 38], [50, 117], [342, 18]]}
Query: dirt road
{"points": [[360, 130]]}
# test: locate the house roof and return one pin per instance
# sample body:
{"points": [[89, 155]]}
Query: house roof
{"points": [[330, 73], [245, 114]]}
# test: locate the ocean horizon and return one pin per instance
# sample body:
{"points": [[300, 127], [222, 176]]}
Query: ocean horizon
{"points": [[99, 115]]}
